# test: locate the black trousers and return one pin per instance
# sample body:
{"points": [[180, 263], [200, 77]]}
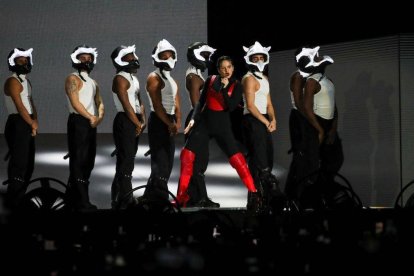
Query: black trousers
{"points": [[22, 155], [259, 145], [305, 150], [331, 155], [82, 147], [162, 147], [197, 189], [310, 158], [21, 146], [126, 143], [217, 125]]}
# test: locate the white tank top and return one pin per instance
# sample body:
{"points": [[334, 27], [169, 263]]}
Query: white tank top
{"points": [[260, 97], [324, 100], [132, 91], [24, 95], [86, 94], [168, 93]]}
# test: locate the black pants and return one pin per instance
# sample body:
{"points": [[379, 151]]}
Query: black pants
{"points": [[331, 155], [21, 145], [305, 150], [217, 125], [197, 189], [82, 147], [162, 147], [259, 145], [126, 143], [310, 158]]}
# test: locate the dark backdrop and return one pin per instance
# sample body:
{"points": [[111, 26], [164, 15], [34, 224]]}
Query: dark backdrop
{"points": [[233, 24]]}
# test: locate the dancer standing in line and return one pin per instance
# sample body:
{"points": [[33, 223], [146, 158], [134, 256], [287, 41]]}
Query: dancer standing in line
{"points": [[164, 120], [259, 122], [21, 126], [199, 55], [128, 123], [322, 150], [86, 113]]}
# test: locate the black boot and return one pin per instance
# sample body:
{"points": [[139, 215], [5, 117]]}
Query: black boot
{"points": [[16, 190], [77, 195], [121, 192], [255, 202], [273, 196], [156, 194], [203, 200], [157, 189], [207, 203], [114, 192], [84, 197], [193, 191]]}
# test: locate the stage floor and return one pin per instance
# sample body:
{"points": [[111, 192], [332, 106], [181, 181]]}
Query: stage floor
{"points": [[223, 183]]}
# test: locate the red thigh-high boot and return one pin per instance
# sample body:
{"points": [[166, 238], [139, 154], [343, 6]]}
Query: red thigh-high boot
{"points": [[255, 202], [238, 162], [187, 160]]}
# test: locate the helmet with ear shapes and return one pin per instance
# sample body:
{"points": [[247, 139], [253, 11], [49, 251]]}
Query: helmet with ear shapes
{"points": [[78, 64], [308, 62], [256, 49], [121, 65], [20, 69], [168, 64], [199, 55]]}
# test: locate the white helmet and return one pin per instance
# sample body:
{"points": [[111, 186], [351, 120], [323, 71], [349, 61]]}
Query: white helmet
{"points": [[83, 49], [255, 49], [195, 57], [163, 46], [20, 69], [305, 61], [121, 65]]}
